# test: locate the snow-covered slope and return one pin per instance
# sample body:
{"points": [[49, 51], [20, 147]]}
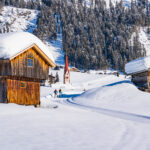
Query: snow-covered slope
{"points": [[57, 49], [144, 38], [121, 96], [17, 19]]}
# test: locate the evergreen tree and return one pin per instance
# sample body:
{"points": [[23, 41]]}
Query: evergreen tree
{"points": [[57, 77]]}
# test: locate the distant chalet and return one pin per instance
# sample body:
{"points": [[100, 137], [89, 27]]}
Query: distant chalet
{"points": [[73, 69], [139, 70], [24, 62]]}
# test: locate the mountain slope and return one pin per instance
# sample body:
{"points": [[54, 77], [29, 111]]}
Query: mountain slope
{"points": [[17, 19], [144, 39]]}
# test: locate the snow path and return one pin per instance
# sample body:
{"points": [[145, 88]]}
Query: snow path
{"points": [[113, 113]]}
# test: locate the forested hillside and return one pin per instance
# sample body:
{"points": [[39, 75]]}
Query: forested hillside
{"points": [[94, 37]]}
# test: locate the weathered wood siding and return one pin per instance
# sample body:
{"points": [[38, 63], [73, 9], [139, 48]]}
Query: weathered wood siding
{"points": [[141, 79], [27, 95], [5, 68], [20, 68], [3, 90]]}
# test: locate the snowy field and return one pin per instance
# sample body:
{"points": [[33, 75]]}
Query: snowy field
{"points": [[110, 115]]}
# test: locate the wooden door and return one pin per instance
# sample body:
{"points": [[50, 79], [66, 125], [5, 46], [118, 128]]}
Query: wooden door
{"points": [[12, 91]]}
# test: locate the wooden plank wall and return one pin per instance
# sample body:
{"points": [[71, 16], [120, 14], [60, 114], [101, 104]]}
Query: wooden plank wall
{"points": [[39, 70], [3, 90], [141, 79], [5, 67], [28, 95]]}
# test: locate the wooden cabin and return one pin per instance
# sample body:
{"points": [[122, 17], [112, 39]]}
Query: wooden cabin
{"points": [[139, 70], [22, 69]]}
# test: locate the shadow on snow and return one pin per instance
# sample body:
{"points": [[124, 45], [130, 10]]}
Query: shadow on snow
{"points": [[114, 113], [69, 95], [120, 82]]}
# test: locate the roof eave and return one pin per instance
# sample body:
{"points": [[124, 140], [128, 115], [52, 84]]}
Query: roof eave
{"points": [[138, 72]]}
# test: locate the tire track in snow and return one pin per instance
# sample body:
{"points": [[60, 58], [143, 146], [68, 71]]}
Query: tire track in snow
{"points": [[124, 139], [113, 113], [132, 137], [130, 140]]}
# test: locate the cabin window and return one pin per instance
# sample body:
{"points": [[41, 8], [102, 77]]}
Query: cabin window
{"points": [[23, 85], [30, 62]]}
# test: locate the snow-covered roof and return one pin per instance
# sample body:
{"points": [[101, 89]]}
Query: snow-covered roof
{"points": [[14, 43], [138, 65]]}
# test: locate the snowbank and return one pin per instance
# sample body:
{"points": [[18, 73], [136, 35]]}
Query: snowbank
{"points": [[13, 43], [120, 96], [138, 65]]}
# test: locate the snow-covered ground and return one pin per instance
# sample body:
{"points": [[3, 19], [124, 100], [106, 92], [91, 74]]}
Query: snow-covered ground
{"points": [[96, 112], [113, 98]]}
